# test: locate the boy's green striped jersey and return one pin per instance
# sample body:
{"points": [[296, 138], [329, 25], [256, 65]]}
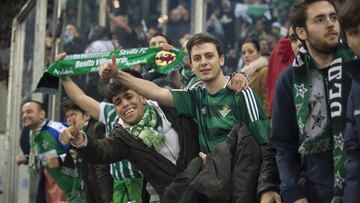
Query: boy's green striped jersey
{"points": [[122, 169]]}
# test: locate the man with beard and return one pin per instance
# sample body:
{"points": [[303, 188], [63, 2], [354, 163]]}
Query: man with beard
{"points": [[309, 109]]}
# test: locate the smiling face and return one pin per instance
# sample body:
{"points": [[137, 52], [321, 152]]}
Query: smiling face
{"points": [[206, 62], [32, 115], [322, 28], [129, 106], [249, 53]]}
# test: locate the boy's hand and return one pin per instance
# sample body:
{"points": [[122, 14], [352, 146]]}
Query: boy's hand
{"points": [[72, 135], [109, 70], [60, 56]]}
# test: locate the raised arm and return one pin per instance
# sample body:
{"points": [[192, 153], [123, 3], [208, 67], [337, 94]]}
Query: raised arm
{"points": [[145, 88], [74, 92], [85, 102]]}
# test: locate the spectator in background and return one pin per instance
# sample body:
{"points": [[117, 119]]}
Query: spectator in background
{"points": [[177, 26], [259, 30], [227, 21], [184, 13], [214, 27], [231, 60], [281, 57], [119, 25], [99, 40], [265, 48], [256, 68], [276, 30], [74, 42]]}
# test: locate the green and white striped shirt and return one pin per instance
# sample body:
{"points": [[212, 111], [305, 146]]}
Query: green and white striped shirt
{"points": [[216, 114], [123, 169]]}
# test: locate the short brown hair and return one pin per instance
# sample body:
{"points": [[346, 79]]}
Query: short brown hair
{"points": [[350, 15], [116, 87], [298, 12], [202, 38], [68, 105]]}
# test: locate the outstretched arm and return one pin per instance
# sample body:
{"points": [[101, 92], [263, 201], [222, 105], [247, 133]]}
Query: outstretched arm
{"points": [[74, 92], [76, 95], [145, 88]]}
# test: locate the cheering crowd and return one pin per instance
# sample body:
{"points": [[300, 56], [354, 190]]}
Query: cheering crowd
{"points": [[285, 128]]}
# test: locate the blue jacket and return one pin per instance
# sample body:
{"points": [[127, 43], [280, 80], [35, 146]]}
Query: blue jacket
{"points": [[316, 170], [352, 136]]}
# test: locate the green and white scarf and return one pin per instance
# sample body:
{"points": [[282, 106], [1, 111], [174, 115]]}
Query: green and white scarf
{"points": [[161, 61], [34, 162], [310, 105], [145, 129]]}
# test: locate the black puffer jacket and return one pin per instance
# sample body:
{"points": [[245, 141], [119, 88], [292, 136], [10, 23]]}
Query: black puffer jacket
{"points": [[230, 175], [157, 169]]}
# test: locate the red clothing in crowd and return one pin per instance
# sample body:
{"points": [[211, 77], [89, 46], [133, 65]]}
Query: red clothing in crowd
{"points": [[281, 56]]}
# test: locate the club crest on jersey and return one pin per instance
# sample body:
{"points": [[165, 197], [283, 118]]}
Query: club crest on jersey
{"points": [[164, 58], [203, 111], [45, 144], [225, 111]]}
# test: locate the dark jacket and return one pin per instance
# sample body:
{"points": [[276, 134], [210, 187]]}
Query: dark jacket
{"points": [[98, 180], [352, 136], [157, 169], [230, 175]]}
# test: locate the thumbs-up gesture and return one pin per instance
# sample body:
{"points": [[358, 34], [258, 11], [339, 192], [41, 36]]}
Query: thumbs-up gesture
{"points": [[109, 70], [72, 134]]}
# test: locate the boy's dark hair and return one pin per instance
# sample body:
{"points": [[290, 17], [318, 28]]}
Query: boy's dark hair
{"points": [[350, 15], [161, 35], [298, 12], [253, 41], [67, 105], [116, 87], [202, 38], [39, 104]]}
